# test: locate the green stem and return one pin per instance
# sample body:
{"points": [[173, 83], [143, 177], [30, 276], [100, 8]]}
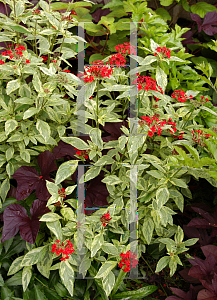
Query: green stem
{"points": [[191, 111], [154, 273], [97, 105]]}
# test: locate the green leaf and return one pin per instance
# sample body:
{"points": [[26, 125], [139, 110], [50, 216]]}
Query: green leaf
{"points": [[12, 85], [166, 2], [26, 276], [9, 153], [19, 28], [52, 188], [33, 256], [209, 110], [191, 242], [44, 129], [118, 281], [5, 187], [25, 155], [108, 283], [17, 137], [96, 244], [10, 125], [15, 266], [19, 8], [92, 173], [178, 182], [147, 229], [95, 57], [14, 280], [177, 198], [67, 276], [111, 180], [110, 249], [156, 174], [1, 280], [55, 227], [161, 78], [44, 265], [30, 112], [106, 268], [143, 292], [76, 142], [50, 217], [68, 214], [39, 295], [163, 13], [65, 170], [37, 83], [162, 263], [95, 135], [104, 160], [162, 196], [201, 8], [148, 60]]}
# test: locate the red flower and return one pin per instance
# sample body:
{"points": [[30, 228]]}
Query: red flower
{"points": [[2, 62], [163, 50], [128, 260], [58, 249], [36, 11], [67, 71], [27, 61], [62, 193], [105, 219], [82, 153], [117, 59], [98, 70], [147, 83], [126, 48], [180, 96], [155, 124], [198, 136], [45, 58]]}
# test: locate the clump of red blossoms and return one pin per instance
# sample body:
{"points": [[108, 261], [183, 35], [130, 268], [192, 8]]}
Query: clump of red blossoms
{"points": [[69, 18], [126, 49], [198, 136], [180, 96], [62, 193], [82, 153], [105, 219], [97, 71], [64, 249], [147, 83], [45, 58], [2, 62], [16, 53], [155, 125], [164, 51], [117, 59], [128, 260], [36, 11]]}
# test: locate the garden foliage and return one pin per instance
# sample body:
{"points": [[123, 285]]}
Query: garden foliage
{"points": [[174, 140]]}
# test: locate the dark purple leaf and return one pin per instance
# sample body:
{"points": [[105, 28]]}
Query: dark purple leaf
{"points": [[15, 218], [64, 149], [199, 223], [27, 180], [188, 36], [115, 128], [204, 214], [206, 295], [178, 292], [197, 19], [99, 13], [210, 19], [172, 298], [204, 238], [184, 274], [210, 249], [46, 162]]}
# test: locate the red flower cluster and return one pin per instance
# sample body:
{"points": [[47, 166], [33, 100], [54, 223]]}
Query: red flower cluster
{"points": [[126, 48], [163, 50], [128, 259], [82, 153], [147, 83], [58, 204], [117, 59], [156, 125], [105, 219], [45, 58], [36, 11], [198, 135], [180, 137], [58, 249], [180, 96], [69, 18], [98, 70], [66, 71], [62, 193], [2, 62], [17, 51]]}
